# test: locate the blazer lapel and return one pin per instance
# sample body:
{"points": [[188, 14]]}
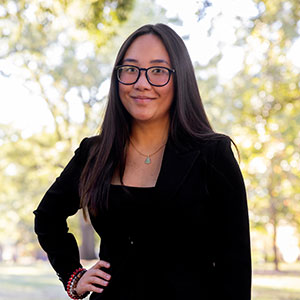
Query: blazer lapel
{"points": [[176, 165]]}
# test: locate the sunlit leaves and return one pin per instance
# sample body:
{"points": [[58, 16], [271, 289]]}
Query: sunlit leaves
{"points": [[263, 102]]}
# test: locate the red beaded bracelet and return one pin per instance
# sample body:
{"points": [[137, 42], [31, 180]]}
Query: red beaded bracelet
{"points": [[72, 283]]}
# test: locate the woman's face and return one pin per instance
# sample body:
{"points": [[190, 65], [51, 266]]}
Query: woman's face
{"points": [[144, 102]]}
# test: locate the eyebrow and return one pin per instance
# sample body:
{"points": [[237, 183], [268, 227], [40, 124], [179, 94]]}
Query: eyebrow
{"points": [[152, 61]]}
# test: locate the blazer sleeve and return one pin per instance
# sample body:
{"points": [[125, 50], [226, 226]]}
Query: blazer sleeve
{"points": [[231, 236], [61, 201]]}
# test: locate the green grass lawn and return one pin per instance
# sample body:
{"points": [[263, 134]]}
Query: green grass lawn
{"points": [[39, 281], [271, 285]]}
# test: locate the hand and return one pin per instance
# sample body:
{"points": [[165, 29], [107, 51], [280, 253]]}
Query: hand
{"points": [[93, 276]]}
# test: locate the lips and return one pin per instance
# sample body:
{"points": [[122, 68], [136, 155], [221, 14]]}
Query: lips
{"points": [[142, 99]]}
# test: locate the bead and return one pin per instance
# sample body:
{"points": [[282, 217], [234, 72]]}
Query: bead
{"points": [[72, 283]]}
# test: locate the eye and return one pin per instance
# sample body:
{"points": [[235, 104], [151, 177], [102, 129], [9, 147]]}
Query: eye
{"points": [[130, 70], [158, 71]]}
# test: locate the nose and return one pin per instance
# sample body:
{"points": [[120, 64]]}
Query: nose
{"points": [[142, 82]]}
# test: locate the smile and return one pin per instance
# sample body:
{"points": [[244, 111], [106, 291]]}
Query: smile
{"points": [[142, 99]]}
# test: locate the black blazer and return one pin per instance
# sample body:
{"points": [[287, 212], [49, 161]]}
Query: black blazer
{"points": [[199, 232]]}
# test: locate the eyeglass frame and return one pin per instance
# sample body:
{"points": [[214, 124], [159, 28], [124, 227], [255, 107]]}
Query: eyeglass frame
{"points": [[171, 71]]}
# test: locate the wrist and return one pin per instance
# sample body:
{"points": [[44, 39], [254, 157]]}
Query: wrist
{"points": [[72, 284]]}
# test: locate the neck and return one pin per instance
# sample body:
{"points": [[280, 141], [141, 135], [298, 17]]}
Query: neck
{"points": [[149, 136]]}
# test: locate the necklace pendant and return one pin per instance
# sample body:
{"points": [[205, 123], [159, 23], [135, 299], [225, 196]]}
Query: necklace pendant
{"points": [[147, 160]]}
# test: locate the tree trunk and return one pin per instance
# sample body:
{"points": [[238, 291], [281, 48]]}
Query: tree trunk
{"points": [[274, 238], [87, 248], [276, 259]]}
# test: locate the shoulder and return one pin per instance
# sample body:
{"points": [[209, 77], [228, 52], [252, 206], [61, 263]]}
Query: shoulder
{"points": [[213, 150], [208, 145], [217, 152], [88, 143], [85, 148], [212, 144], [220, 159]]}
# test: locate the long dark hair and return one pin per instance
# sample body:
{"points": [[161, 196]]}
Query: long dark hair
{"points": [[188, 120]]}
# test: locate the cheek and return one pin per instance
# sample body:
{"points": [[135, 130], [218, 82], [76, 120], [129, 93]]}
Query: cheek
{"points": [[123, 90], [168, 94]]}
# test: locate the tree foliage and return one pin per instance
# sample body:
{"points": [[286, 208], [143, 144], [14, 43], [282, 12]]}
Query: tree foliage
{"points": [[63, 51], [260, 108], [56, 48]]}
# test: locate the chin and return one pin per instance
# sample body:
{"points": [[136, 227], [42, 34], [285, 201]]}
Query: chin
{"points": [[142, 117]]}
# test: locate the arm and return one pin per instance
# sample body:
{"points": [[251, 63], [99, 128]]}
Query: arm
{"points": [[231, 238], [60, 202]]}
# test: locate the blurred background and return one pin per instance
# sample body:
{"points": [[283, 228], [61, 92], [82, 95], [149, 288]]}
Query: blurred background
{"points": [[56, 57]]}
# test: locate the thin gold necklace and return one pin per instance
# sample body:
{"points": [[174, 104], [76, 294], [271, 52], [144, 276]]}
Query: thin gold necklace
{"points": [[148, 159]]}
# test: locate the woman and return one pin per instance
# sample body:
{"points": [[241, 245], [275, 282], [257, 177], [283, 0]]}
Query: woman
{"points": [[161, 188]]}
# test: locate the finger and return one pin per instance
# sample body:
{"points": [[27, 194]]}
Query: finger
{"points": [[99, 281], [93, 288], [102, 274], [102, 263]]}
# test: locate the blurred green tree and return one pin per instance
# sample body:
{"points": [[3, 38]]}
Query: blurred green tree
{"points": [[56, 46], [260, 108], [273, 106], [64, 51]]}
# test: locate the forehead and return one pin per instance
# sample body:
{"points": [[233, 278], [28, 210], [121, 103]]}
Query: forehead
{"points": [[147, 48]]}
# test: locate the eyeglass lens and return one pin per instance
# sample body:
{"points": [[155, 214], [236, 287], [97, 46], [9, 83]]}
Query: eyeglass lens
{"points": [[155, 75]]}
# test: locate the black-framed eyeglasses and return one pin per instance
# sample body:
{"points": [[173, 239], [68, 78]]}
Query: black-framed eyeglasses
{"points": [[156, 75]]}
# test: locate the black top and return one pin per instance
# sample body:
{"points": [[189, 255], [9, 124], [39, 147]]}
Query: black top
{"points": [[128, 220], [187, 238]]}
